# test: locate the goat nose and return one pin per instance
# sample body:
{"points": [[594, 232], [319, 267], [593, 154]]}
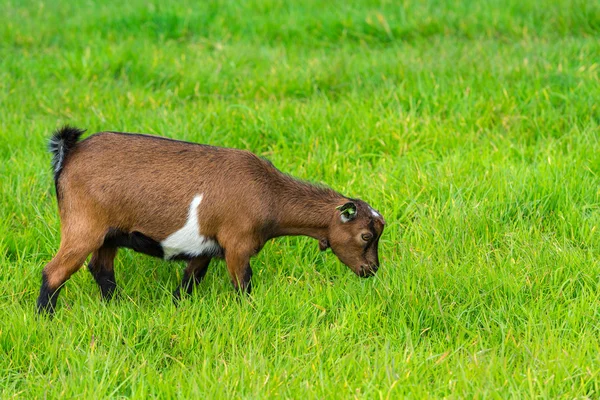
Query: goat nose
{"points": [[368, 270]]}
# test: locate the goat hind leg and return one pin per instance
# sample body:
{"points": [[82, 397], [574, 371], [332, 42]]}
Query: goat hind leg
{"points": [[74, 248], [55, 274], [101, 267]]}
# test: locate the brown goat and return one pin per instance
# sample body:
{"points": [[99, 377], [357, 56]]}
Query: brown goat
{"points": [[180, 200]]}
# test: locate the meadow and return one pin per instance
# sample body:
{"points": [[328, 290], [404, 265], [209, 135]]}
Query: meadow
{"points": [[472, 126]]}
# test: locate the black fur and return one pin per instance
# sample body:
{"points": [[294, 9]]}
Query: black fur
{"points": [[135, 241], [61, 144], [105, 279], [189, 281], [46, 302]]}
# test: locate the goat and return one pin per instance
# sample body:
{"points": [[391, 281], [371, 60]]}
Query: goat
{"points": [[185, 201]]}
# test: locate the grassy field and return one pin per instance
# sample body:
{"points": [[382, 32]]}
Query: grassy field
{"points": [[473, 126]]}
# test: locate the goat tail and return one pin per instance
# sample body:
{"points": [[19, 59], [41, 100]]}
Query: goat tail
{"points": [[62, 142]]}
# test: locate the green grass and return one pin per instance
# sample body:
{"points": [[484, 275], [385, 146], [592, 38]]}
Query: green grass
{"points": [[473, 126]]}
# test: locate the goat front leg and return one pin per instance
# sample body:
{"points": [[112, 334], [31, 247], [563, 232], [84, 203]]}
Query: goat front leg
{"points": [[240, 272], [192, 275]]}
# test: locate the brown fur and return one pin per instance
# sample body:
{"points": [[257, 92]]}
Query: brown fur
{"points": [[142, 183]]}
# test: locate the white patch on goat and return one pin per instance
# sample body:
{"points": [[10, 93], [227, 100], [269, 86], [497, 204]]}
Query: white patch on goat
{"points": [[188, 239], [375, 213]]}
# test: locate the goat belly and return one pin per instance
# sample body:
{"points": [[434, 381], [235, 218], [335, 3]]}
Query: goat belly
{"points": [[185, 243], [141, 243], [181, 245]]}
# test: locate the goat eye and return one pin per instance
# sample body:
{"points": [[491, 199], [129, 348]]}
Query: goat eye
{"points": [[366, 237]]}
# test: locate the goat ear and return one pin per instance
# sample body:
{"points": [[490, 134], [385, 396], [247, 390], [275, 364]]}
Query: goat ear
{"points": [[347, 211], [323, 244]]}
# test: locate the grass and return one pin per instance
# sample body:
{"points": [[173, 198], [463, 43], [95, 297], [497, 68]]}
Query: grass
{"points": [[472, 126]]}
